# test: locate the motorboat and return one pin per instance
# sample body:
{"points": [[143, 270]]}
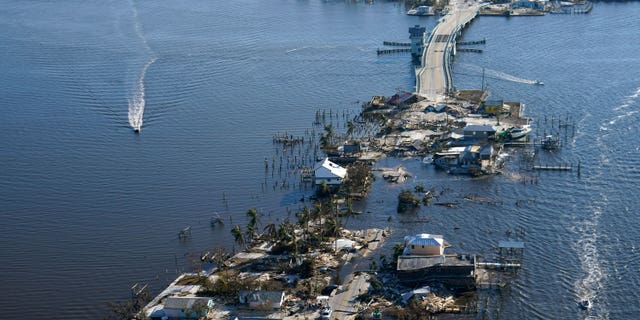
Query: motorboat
{"points": [[550, 142], [136, 130], [584, 304], [538, 83], [428, 159], [421, 11], [515, 133]]}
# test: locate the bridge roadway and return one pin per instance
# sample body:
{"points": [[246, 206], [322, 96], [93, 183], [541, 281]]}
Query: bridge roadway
{"points": [[433, 79]]}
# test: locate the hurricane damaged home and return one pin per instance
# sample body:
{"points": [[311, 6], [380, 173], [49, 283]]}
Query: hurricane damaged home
{"points": [[473, 154], [329, 173], [462, 133], [473, 160], [260, 299], [424, 262], [183, 308], [180, 300], [474, 133]]}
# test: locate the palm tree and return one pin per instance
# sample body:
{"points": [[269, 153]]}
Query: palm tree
{"points": [[271, 232], [305, 217], [285, 231], [251, 233], [316, 217], [350, 128], [238, 236], [253, 216], [332, 226], [329, 129], [253, 221], [397, 251], [326, 139]]}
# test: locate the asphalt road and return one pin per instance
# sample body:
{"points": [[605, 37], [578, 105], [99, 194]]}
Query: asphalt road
{"points": [[432, 77]]}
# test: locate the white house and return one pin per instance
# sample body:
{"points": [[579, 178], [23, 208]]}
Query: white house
{"points": [[329, 173], [424, 244], [183, 308]]}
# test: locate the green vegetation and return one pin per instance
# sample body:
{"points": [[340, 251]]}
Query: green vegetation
{"points": [[359, 179], [407, 201]]}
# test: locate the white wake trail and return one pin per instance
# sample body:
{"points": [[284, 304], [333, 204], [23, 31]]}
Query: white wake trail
{"points": [[508, 77], [588, 287], [595, 273], [494, 74], [137, 102]]}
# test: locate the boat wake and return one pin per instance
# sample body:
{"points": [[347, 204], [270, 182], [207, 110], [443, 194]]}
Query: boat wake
{"points": [[137, 101], [296, 49], [494, 74], [624, 110], [138, 27], [310, 47], [587, 288]]}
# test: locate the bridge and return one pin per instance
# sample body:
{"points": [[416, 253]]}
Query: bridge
{"points": [[433, 78]]}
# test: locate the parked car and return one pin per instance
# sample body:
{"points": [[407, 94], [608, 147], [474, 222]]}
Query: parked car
{"points": [[325, 314]]}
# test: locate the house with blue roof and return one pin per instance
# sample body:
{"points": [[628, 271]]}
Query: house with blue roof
{"points": [[424, 244]]}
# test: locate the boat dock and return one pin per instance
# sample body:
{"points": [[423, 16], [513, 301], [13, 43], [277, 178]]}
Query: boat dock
{"points": [[575, 9], [483, 41], [469, 50], [397, 50], [565, 167], [433, 78], [396, 44]]}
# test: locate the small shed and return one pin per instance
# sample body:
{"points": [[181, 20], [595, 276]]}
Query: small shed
{"points": [[351, 147], [260, 299], [511, 250], [329, 173], [493, 106]]}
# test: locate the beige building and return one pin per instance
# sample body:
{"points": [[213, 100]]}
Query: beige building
{"points": [[424, 244]]}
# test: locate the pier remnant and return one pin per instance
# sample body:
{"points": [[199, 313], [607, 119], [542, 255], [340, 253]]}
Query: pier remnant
{"points": [[185, 233], [416, 34]]}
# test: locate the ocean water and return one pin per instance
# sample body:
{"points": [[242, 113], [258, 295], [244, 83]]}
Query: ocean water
{"points": [[89, 208]]}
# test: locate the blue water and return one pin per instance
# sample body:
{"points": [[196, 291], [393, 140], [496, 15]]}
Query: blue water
{"points": [[88, 208]]}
